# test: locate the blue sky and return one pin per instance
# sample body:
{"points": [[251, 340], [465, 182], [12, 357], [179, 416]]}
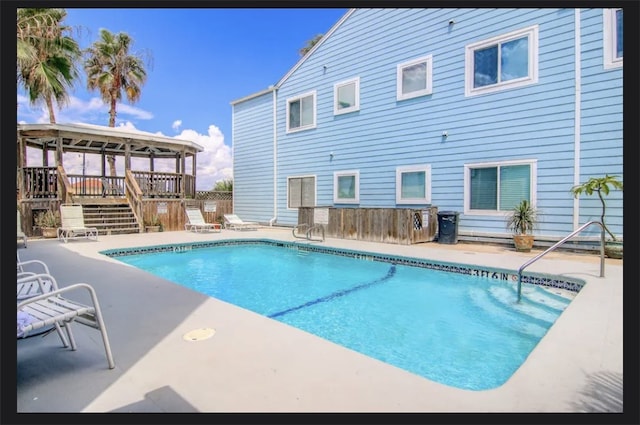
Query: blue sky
{"points": [[201, 61]]}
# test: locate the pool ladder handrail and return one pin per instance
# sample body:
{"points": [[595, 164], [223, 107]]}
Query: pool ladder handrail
{"points": [[308, 232], [557, 244]]}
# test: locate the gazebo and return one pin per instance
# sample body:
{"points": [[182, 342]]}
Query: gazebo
{"points": [[121, 203]]}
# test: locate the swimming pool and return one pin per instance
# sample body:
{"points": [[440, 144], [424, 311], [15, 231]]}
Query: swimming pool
{"points": [[452, 323]]}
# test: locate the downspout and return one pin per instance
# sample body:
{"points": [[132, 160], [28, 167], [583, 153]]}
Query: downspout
{"points": [[275, 160], [577, 113]]}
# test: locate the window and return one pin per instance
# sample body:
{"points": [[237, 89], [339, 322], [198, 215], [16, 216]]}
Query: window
{"points": [[498, 187], [346, 96], [346, 187], [413, 184], [503, 62], [301, 112], [301, 191], [414, 78], [612, 38]]}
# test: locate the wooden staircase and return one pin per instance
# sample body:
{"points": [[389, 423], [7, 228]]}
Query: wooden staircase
{"points": [[110, 216]]}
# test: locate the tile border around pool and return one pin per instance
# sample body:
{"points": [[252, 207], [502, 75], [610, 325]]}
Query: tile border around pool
{"points": [[570, 284]]}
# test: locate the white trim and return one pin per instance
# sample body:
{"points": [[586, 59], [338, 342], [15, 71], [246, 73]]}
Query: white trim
{"points": [[428, 60], [275, 157], [609, 39], [576, 116], [356, 105], [427, 184], [315, 110], [532, 76], [315, 189], [533, 182], [351, 173]]}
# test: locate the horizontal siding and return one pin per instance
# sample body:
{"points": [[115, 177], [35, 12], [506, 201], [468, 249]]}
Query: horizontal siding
{"points": [[534, 122], [253, 158]]}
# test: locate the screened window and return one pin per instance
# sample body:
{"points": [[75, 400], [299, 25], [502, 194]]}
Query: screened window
{"points": [[507, 61], [301, 191], [498, 187], [414, 78], [613, 40], [346, 96], [346, 187], [301, 112], [413, 184]]}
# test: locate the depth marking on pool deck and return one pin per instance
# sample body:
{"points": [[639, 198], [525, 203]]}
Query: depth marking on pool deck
{"points": [[390, 273]]}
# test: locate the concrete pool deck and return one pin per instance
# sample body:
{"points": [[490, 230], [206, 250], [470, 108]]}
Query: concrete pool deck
{"points": [[255, 364]]}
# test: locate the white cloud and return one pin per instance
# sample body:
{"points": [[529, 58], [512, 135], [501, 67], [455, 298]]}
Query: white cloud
{"points": [[176, 125]]}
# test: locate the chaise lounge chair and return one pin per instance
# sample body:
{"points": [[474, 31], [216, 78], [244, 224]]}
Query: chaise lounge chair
{"points": [[234, 222], [73, 226], [196, 223], [21, 234], [52, 308], [27, 286]]}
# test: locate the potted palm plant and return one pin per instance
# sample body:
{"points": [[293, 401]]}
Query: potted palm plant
{"points": [[601, 186], [521, 221], [48, 221]]}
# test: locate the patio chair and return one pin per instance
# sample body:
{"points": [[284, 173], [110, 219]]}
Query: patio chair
{"points": [[73, 226], [21, 234], [196, 223], [233, 222], [53, 309], [110, 188], [28, 286]]}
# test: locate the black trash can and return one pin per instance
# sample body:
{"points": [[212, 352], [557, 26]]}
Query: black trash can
{"points": [[448, 227]]}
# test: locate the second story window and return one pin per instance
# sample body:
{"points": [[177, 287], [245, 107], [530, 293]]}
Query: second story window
{"points": [[414, 78], [613, 46], [301, 112], [506, 61], [346, 96]]}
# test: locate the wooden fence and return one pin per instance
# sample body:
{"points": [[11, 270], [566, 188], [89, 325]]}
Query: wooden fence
{"points": [[403, 226]]}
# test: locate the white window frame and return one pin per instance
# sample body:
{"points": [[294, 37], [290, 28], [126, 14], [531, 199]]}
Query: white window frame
{"points": [[315, 189], [353, 108], [351, 173], [610, 38], [531, 78], [426, 91], [315, 109], [413, 168], [467, 185]]}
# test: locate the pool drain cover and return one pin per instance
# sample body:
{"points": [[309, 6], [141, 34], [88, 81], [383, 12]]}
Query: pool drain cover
{"points": [[199, 334]]}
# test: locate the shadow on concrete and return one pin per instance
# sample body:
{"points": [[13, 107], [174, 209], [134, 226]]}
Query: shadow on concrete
{"points": [[602, 393], [130, 300], [161, 399]]}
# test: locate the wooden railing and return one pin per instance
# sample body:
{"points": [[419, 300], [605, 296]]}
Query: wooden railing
{"points": [[40, 182], [134, 195], [53, 182]]}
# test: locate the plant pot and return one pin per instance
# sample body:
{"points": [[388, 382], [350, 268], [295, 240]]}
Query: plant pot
{"points": [[523, 243], [150, 229], [49, 232], [613, 249]]}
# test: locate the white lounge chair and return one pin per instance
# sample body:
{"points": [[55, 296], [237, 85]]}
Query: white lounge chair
{"points": [[233, 222], [53, 309], [21, 234], [28, 286], [196, 223], [73, 226]]}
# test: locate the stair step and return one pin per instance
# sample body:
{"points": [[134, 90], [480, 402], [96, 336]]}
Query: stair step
{"points": [[111, 218]]}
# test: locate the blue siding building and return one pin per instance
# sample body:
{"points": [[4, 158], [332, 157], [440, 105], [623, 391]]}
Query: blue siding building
{"points": [[468, 110]]}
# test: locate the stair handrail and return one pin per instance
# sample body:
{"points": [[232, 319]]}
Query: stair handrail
{"points": [[134, 196], [298, 227], [560, 242]]}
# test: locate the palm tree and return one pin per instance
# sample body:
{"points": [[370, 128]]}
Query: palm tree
{"points": [[112, 70], [310, 44], [46, 56]]}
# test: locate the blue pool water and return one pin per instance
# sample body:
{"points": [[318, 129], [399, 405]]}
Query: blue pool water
{"points": [[464, 331]]}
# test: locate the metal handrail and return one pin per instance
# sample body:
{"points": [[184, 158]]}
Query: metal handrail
{"points": [[560, 242], [299, 227], [312, 228]]}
